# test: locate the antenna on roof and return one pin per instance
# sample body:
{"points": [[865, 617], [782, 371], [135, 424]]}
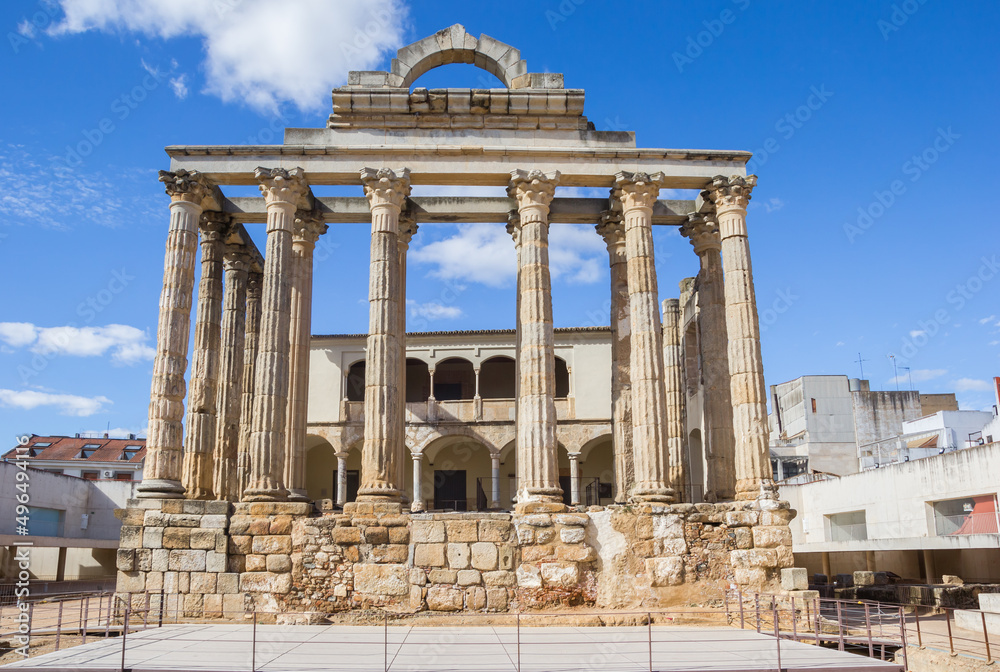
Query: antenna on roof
{"points": [[861, 362]]}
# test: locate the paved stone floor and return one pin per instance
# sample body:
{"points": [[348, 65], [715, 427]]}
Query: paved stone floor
{"points": [[426, 649]]}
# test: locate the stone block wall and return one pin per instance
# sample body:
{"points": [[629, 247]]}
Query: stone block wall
{"points": [[221, 559]]}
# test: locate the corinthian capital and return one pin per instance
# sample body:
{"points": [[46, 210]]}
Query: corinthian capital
{"points": [[236, 259], [214, 226], [185, 185], [729, 193], [280, 185], [308, 226], [386, 186], [637, 190], [703, 232], [612, 229], [533, 189], [407, 228], [514, 225]]}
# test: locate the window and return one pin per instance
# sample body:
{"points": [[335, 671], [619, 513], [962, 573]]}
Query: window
{"points": [[123, 475], [36, 448], [90, 475], [89, 450], [813, 405], [850, 526], [130, 452], [356, 382], [562, 378], [967, 515]]}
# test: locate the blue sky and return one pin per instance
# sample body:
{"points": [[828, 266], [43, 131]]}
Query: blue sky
{"points": [[874, 127]]}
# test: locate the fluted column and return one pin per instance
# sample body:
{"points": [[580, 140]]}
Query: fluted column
{"points": [[306, 230], [673, 385], [284, 191], [161, 474], [407, 229], [382, 454], [754, 480], [612, 229], [255, 283], [537, 462], [495, 481], [202, 415], [574, 479], [225, 483], [638, 193], [719, 446]]}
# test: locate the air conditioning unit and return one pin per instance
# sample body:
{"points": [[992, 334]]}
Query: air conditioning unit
{"points": [[109, 474]]}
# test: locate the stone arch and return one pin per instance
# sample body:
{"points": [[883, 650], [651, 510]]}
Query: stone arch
{"points": [[454, 379], [419, 440], [455, 45]]}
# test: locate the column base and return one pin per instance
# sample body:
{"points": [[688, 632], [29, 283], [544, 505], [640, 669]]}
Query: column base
{"points": [[417, 507], [379, 493], [200, 494], [755, 488], [652, 495], [159, 488], [265, 495], [297, 495]]}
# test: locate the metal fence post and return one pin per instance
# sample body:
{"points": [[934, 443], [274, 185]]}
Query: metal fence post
{"points": [[162, 597], [777, 632], [819, 620], [756, 606], [840, 627], [145, 613], [125, 634], [385, 640], [951, 642], [986, 638], [59, 624], [519, 640], [795, 622], [86, 618], [902, 637], [649, 636], [253, 645], [868, 629], [725, 597], [916, 617], [739, 594]]}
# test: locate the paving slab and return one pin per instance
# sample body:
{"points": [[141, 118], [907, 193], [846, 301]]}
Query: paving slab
{"points": [[274, 648]]}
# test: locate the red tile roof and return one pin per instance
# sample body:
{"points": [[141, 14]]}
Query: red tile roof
{"points": [[67, 448]]}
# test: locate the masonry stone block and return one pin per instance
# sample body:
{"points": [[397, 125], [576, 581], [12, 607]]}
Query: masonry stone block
{"points": [[665, 571], [391, 580], [152, 537], [131, 537], [213, 522], [215, 561], [461, 530], [228, 583], [203, 582], [272, 544], [177, 537], [346, 535], [256, 562], [376, 535], [572, 535], [125, 560], [265, 582], [794, 578], [204, 539], [529, 576], [458, 556], [771, 537], [484, 556], [475, 598], [429, 555], [495, 530], [443, 576], [279, 563], [159, 559], [445, 598], [469, 577], [560, 574], [186, 561], [427, 531], [131, 582]]}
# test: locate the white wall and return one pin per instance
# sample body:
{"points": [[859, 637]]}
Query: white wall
{"points": [[896, 500]]}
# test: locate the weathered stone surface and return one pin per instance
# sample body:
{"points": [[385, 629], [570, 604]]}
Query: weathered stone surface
{"points": [[255, 562], [428, 555], [346, 535], [469, 577], [203, 582], [443, 576], [152, 537], [204, 539], [560, 574], [131, 582], [797, 578], [381, 579], [461, 530], [500, 579], [576, 553], [445, 598], [533, 553], [427, 531], [572, 535], [186, 561], [390, 553], [475, 598], [496, 599], [529, 576], [279, 563], [160, 560], [265, 582], [771, 537], [458, 556], [213, 522], [376, 535], [125, 560], [665, 571], [131, 537], [272, 544], [176, 537], [228, 583], [484, 556], [495, 530], [755, 557]]}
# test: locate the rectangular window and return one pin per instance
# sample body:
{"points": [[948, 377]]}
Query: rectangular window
{"points": [[967, 515], [89, 450], [123, 475], [850, 526], [130, 452], [90, 475], [814, 405], [44, 522]]}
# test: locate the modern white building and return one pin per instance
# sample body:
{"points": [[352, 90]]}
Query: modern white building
{"points": [[920, 519], [824, 423]]}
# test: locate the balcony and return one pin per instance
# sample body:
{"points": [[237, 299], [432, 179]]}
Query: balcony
{"points": [[461, 410]]}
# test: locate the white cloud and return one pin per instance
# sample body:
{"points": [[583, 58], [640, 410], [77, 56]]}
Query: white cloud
{"points": [[68, 404], [773, 204], [987, 320], [485, 253], [840, 343], [258, 51], [126, 344], [18, 334], [26, 28], [916, 332], [918, 376], [971, 385], [433, 311], [179, 86]]}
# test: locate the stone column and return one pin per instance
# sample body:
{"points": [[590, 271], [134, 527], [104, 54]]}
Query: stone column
{"points": [[225, 481], [382, 454], [407, 229], [341, 479], [307, 229], [612, 230], [673, 385], [161, 474], [638, 193], [749, 396], [255, 282], [418, 491], [719, 447], [284, 191], [495, 474], [202, 416], [537, 462], [574, 479]]}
